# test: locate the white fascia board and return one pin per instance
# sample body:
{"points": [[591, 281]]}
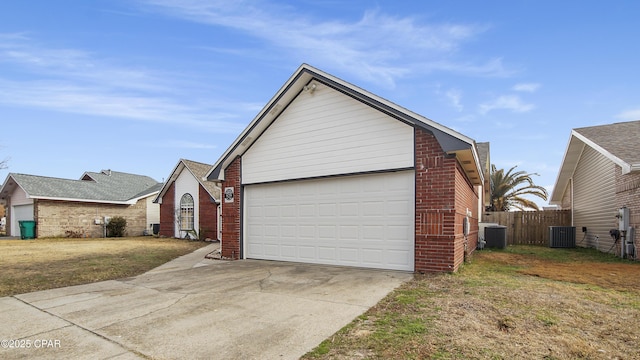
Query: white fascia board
{"points": [[135, 200], [269, 112], [626, 167], [172, 177]]}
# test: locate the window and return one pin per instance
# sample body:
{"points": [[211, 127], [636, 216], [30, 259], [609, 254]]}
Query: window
{"points": [[186, 212]]}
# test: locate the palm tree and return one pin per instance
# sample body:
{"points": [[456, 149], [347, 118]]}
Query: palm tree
{"points": [[508, 188]]}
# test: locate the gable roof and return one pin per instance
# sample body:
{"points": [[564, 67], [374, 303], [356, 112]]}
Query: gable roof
{"points": [[101, 187], [199, 171], [451, 141], [618, 142]]}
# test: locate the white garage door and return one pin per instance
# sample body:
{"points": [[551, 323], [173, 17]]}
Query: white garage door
{"points": [[20, 212], [364, 221]]}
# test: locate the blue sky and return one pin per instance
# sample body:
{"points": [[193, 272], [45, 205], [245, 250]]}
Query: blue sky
{"points": [[136, 85]]}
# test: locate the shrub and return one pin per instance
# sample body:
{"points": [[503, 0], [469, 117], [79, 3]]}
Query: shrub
{"points": [[116, 227]]}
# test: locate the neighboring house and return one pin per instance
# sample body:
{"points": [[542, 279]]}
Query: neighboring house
{"points": [[484, 154], [329, 173], [600, 174], [189, 203], [64, 206]]}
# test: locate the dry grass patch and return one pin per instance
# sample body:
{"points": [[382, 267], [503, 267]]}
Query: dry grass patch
{"points": [[31, 265], [524, 303]]}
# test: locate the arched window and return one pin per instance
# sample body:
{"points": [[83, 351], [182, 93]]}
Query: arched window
{"points": [[186, 212]]}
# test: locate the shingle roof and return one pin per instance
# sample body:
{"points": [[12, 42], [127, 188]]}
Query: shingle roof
{"points": [[108, 186], [617, 142], [619, 139], [200, 171]]}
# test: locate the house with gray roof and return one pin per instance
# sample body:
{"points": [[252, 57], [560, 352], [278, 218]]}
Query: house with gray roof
{"points": [[189, 203], [600, 174], [63, 207]]}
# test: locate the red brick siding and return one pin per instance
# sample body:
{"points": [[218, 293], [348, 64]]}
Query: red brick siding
{"points": [[231, 211], [466, 199], [208, 213], [167, 212], [628, 194], [443, 194]]}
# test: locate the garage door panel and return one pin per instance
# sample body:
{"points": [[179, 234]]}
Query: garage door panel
{"points": [[396, 257], [327, 253], [355, 220], [349, 255], [307, 252], [372, 257], [289, 252], [373, 232]]}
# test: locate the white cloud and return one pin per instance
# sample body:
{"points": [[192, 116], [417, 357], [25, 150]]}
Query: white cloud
{"points": [[377, 47], [629, 115], [526, 87], [454, 96], [506, 102], [75, 81]]}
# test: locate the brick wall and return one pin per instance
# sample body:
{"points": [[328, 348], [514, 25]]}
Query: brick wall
{"points": [[467, 198], [628, 194], [167, 212], [231, 211], [443, 194], [54, 217], [208, 212]]}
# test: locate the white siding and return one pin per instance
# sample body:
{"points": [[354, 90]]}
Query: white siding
{"points": [[327, 133], [363, 221], [153, 212], [594, 201], [186, 183], [19, 197]]}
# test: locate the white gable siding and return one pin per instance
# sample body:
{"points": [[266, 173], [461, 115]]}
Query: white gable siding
{"points": [[19, 197], [594, 199], [186, 183], [327, 133]]}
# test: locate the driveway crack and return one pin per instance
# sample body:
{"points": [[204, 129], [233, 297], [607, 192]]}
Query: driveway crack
{"points": [[262, 282], [71, 323]]}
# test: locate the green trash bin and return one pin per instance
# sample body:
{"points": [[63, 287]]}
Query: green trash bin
{"points": [[27, 229]]}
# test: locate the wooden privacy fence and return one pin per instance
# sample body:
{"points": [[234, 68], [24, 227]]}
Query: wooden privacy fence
{"points": [[529, 227]]}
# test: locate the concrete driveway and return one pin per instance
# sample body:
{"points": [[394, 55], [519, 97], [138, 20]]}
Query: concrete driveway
{"points": [[194, 308]]}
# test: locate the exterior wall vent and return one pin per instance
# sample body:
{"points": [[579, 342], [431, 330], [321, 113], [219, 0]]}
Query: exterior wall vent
{"points": [[562, 236]]}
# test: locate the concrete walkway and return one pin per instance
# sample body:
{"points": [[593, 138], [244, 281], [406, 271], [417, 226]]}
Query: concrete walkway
{"points": [[195, 308]]}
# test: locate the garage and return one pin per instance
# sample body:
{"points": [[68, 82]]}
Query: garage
{"points": [[20, 212], [328, 173], [363, 221]]}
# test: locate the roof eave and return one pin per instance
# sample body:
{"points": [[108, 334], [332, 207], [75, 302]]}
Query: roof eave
{"points": [[115, 202], [450, 140], [172, 177]]}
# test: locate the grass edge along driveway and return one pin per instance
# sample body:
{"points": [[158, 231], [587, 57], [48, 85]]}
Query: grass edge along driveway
{"points": [[40, 264], [524, 302]]}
